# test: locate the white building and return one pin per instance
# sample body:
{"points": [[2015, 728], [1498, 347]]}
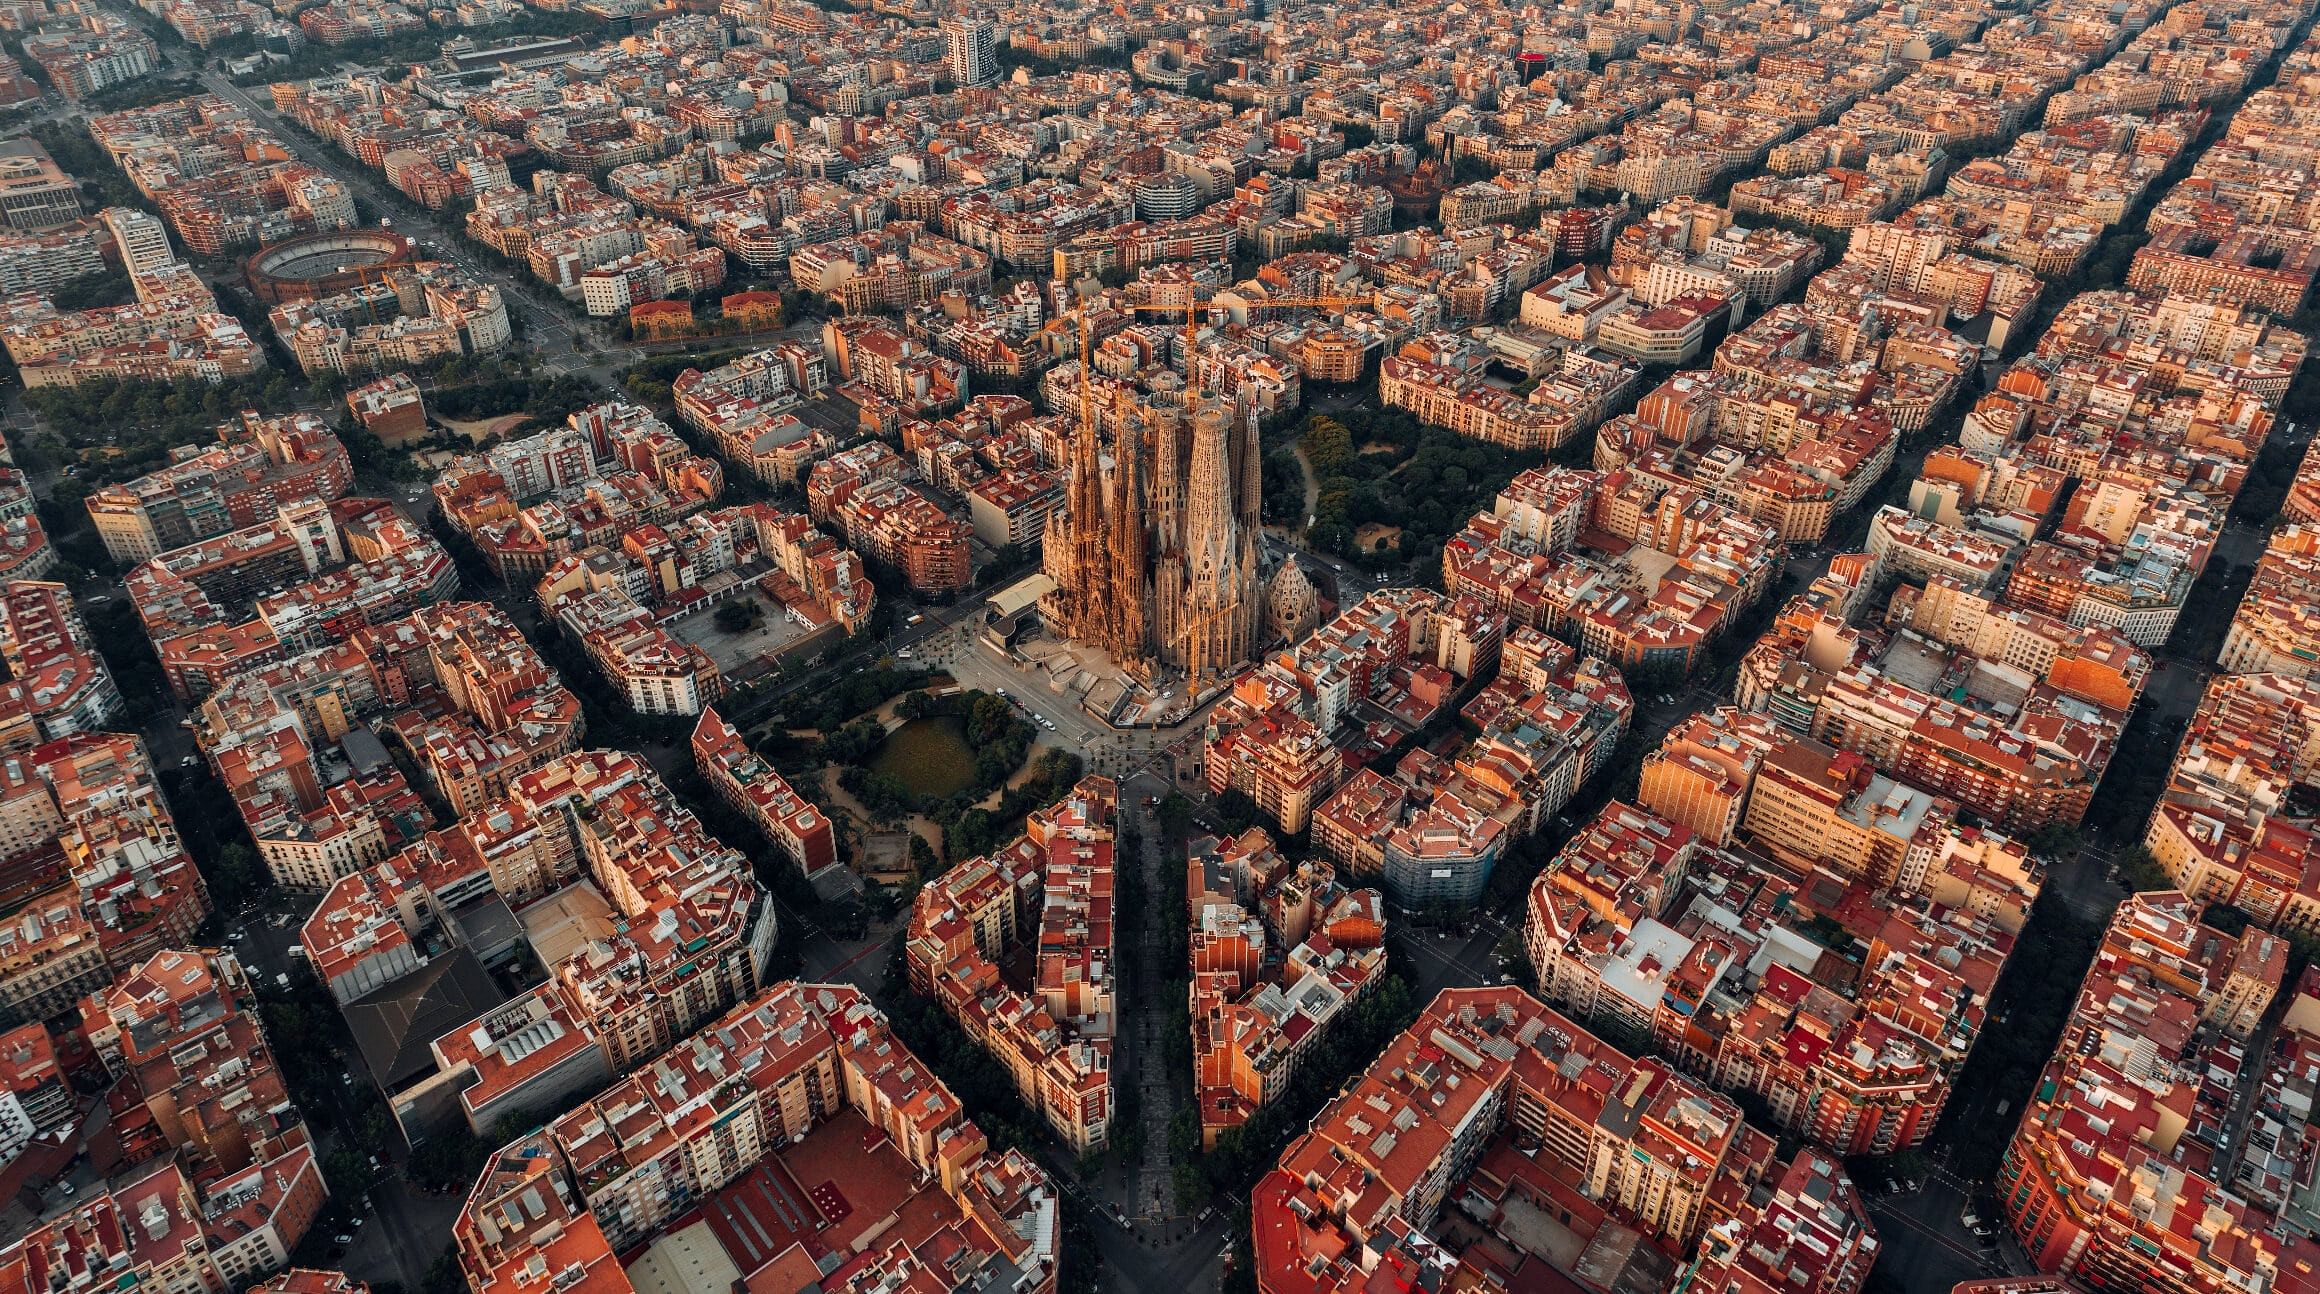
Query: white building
{"points": [[143, 239], [972, 59]]}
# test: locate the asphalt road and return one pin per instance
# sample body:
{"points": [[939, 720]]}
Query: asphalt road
{"points": [[548, 326], [1151, 1258], [1925, 1242], [1140, 1048], [1460, 958]]}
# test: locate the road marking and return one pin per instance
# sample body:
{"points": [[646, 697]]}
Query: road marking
{"points": [[1929, 1233]]}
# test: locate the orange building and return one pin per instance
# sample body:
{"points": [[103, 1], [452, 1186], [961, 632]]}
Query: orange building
{"points": [[753, 310], [802, 1083], [1253, 911], [2106, 1179], [652, 320], [1607, 1138]]}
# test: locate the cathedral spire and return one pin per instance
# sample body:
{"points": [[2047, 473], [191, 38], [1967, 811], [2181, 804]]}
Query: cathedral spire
{"points": [[1248, 473], [1127, 638], [1089, 586]]}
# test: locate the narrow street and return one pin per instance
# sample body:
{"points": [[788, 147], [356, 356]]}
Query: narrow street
{"points": [[1142, 1050]]}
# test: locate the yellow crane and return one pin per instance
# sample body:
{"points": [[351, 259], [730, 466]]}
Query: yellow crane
{"points": [[1314, 303], [363, 275], [1192, 314], [1087, 415]]}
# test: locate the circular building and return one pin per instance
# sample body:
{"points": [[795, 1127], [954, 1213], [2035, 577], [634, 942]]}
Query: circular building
{"points": [[1169, 195], [317, 265]]}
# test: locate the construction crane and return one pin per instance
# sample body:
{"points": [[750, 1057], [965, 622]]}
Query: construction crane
{"points": [[1087, 415], [1192, 314], [363, 274], [1196, 663], [1314, 303]]}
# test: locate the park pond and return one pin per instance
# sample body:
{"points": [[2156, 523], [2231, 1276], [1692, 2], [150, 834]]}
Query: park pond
{"points": [[928, 756]]}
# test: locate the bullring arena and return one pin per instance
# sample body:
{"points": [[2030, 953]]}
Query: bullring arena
{"points": [[317, 265]]}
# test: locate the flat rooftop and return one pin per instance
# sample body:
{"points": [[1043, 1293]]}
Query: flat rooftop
{"points": [[842, 1190]]}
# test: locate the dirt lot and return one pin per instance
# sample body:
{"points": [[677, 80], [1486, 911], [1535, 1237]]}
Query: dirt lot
{"points": [[482, 429]]}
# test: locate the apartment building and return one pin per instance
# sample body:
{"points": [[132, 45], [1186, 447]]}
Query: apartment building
{"points": [[1052, 889], [40, 261], [2271, 269], [1283, 734], [2226, 829], [888, 519], [224, 184], [743, 406], [35, 193], [300, 744], [801, 1083], [698, 931], [1431, 830], [2276, 628], [648, 926], [173, 332], [1888, 1046], [391, 409], [315, 571], [652, 670], [111, 883], [140, 241], [1522, 559], [611, 469], [744, 780], [53, 663], [401, 317], [155, 1226], [1266, 750], [181, 1032], [222, 1181], [258, 465], [2020, 738], [2117, 1171], [1277, 952], [1439, 378], [1655, 1172]]}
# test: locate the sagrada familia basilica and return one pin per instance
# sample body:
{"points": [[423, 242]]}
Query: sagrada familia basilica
{"points": [[1158, 555]]}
